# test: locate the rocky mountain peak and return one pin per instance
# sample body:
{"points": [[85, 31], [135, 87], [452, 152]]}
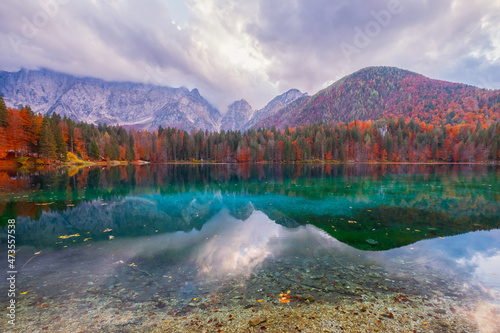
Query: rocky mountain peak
{"points": [[238, 114]]}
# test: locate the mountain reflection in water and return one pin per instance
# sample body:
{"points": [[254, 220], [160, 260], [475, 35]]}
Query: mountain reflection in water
{"points": [[181, 247], [370, 207]]}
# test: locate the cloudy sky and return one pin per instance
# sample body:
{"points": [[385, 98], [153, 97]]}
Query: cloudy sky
{"points": [[233, 49]]}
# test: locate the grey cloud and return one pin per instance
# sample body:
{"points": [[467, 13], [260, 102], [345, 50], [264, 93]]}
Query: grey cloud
{"points": [[285, 44], [304, 40]]}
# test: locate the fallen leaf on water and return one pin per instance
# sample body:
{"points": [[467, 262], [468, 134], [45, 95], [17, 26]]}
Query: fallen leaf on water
{"points": [[133, 265], [25, 292], [259, 300], [118, 262], [69, 236], [111, 237], [107, 230]]}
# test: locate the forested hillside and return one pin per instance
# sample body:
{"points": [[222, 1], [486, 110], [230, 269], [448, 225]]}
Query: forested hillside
{"points": [[375, 92], [23, 133]]}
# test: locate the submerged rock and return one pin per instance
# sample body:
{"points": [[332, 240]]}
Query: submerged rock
{"points": [[309, 298], [257, 320]]}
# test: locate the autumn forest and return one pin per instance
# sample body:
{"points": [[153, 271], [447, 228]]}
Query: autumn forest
{"points": [[51, 137]]}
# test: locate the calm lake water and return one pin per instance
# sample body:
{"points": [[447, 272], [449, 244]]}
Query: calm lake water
{"points": [[134, 248]]}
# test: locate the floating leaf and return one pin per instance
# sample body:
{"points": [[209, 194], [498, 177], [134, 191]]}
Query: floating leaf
{"points": [[69, 236], [25, 292], [107, 230]]}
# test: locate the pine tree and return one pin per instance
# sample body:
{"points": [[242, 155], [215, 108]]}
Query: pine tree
{"points": [[4, 114], [342, 152], [94, 150], [154, 147], [107, 151], [287, 150], [267, 153], [130, 149], [388, 143], [115, 148], [47, 146]]}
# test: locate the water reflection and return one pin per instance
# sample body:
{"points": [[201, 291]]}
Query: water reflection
{"points": [[158, 237], [471, 260], [236, 246], [241, 260], [368, 207]]}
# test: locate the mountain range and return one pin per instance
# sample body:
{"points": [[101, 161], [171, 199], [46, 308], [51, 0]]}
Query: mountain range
{"points": [[375, 92], [368, 94]]}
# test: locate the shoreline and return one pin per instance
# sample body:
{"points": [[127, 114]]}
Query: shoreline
{"points": [[14, 165], [384, 314]]}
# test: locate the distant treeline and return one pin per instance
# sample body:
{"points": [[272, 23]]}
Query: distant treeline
{"points": [[23, 133]]}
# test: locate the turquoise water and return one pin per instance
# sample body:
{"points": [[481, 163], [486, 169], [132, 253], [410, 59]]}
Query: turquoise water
{"points": [[176, 239]]}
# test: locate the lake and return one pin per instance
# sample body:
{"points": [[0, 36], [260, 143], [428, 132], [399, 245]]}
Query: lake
{"points": [[290, 248]]}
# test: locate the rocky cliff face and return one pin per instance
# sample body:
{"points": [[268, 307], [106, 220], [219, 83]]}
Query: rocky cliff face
{"points": [[93, 100], [128, 104], [274, 106], [237, 115]]}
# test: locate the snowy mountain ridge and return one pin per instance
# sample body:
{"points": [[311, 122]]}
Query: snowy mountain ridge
{"points": [[136, 105]]}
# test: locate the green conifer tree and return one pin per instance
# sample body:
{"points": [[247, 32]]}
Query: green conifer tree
{"points": [[94, 150], [130, 149], [47, 144], [61, 152], [4, 113]]}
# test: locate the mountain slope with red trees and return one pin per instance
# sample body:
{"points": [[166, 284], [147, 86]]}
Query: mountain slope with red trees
{"points": [[375, 92]]}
